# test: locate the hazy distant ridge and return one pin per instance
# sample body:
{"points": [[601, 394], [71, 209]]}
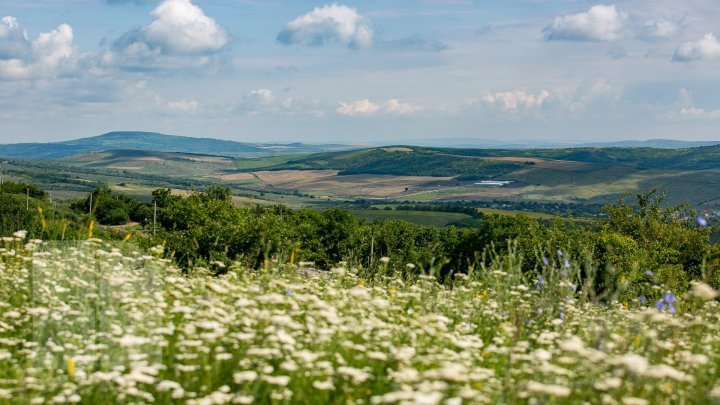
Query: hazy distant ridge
{"points": [[149, 141]]}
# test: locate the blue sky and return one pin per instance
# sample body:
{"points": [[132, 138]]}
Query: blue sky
{"points": [[360, 71]]}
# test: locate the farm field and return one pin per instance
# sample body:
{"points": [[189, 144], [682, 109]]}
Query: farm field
{"points": [[276, 180], [285, 334]]}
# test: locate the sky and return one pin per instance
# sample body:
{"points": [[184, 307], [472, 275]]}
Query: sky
{"points": [[361, 71]]}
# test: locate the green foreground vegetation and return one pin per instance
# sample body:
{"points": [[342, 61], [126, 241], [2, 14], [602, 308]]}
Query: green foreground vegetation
{"points": [[92, 322], [263, 304]]}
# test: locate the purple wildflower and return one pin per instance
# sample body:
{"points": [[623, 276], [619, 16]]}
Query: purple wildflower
{"points": [[702, 221], [559, 253], [545, 261]]}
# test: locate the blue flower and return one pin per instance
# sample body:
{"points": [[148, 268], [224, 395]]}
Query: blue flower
{"points": [[667, 302], [545, 261], [702, 221], [559, 253], [288, 292], [567, 264], [643, 300], [649, 273]]}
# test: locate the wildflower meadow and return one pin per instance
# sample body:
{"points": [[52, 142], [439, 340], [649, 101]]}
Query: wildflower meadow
{"points": [[95, 322]]}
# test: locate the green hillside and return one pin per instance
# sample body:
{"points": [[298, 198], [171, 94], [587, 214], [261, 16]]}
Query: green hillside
{"points": [[404, 161], [699, 158]]}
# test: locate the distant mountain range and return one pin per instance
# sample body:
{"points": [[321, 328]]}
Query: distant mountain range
{"points": [[151, 141]]}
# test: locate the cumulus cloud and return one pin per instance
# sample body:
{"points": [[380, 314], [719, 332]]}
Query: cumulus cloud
{"points": [[48, 55], [600, 23], [180, 30], [368, 108], [516, 100], [707, 48], [329, 24]]}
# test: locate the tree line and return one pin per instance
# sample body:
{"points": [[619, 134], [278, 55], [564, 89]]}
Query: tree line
{"points": [[632, 244]]}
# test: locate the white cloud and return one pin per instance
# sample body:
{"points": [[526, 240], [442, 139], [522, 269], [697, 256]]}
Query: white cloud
{"points": [[180, 36], [394, 106], [330, 23], [368, 108], [707, 48], [600, 23], [262, 96], [659, 29], [360, 107], [50, 54], [515, 100]]}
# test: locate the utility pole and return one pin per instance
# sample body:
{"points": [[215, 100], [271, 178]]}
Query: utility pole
{"points": [[90, 209], [154, 216]]}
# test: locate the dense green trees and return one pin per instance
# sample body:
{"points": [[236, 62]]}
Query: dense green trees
{"points": [[630, 242], [111, 208]]}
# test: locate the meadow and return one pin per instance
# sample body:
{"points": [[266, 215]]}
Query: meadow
{"points": [[93, 322]]}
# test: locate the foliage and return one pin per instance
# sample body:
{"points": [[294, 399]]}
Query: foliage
{"points": [[32, 190], [628, 242]]}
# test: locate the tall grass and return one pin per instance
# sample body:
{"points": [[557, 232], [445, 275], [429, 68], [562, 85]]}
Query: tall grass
{"points": [[91, 322]]}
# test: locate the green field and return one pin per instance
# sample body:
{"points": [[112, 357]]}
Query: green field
{"points": [[430, 218], [265, 162]]}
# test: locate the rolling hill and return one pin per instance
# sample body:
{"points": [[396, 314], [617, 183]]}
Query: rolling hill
{"points": [[151, 141], [404, 161]]}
